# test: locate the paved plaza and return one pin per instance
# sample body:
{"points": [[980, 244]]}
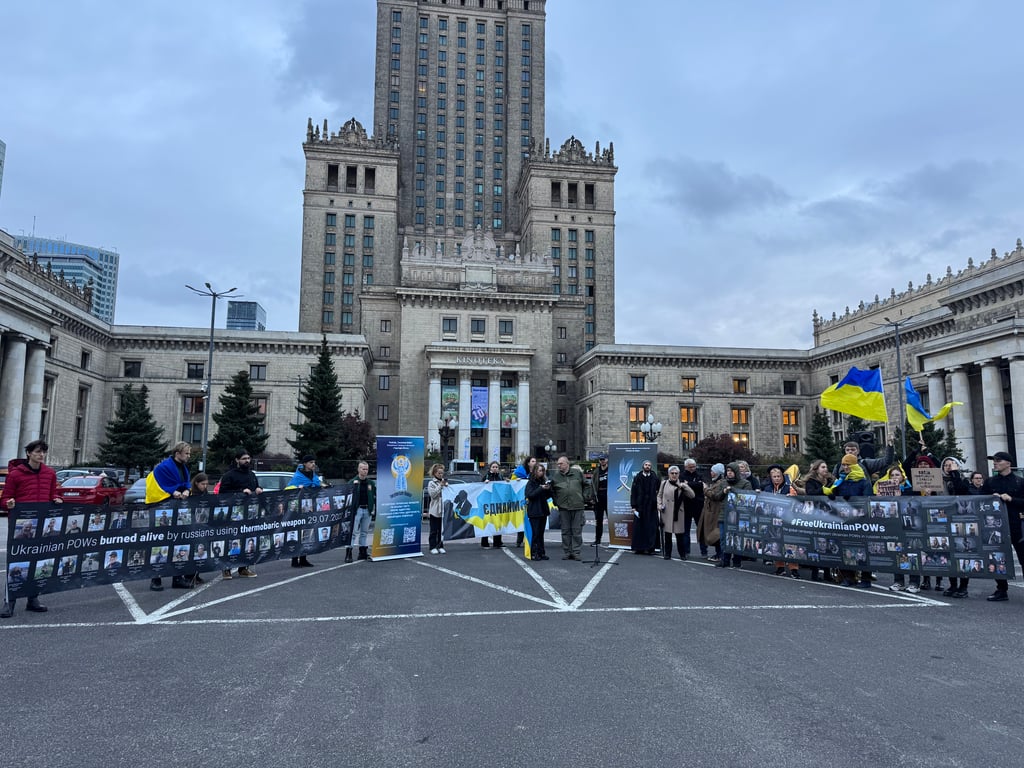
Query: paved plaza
{"points": [[479, 657]]}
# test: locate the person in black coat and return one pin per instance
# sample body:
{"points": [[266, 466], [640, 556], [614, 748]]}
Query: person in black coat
{"points": [[693, 508], [643, 499], [538, 491], [493, 475]]}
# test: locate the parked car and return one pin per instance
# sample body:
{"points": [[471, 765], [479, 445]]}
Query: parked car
{"points": [[64, 474], [91, 489], [274, 481], [137, 492]]}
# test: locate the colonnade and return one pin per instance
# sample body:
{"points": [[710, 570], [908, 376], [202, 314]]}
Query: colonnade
{"points": [[22, 365], [991, 408]]}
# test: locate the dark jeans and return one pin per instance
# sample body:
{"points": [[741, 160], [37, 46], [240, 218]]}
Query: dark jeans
{"points": [[435, 532], [537, 536], [690, 517], [725, 557], [1002, 585]]}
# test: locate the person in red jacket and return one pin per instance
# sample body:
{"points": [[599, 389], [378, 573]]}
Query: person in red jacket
{"points": [[28, 480]]}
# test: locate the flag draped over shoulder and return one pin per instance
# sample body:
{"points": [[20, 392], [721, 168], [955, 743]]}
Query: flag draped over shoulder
{"points": [[916, 414], [859, 393]]}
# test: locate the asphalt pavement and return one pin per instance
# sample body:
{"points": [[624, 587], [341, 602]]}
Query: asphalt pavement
{"points": [[479, 658]]}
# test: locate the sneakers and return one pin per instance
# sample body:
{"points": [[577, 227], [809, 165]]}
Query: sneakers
{"points": [[913, 589], [896, 587], [999, 596], [960, 593], [226, 573], [948, 592], [442, 550], [35, 606], [245, 573], [434, 551]]}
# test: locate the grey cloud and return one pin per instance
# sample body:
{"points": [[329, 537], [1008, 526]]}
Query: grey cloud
{"points": [[711, 190]]}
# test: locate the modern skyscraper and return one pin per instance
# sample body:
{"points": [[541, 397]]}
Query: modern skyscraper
{"points": [[246, 316], [80, 263], [472, 258]]}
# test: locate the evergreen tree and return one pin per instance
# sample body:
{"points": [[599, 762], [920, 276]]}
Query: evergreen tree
{"points": [[721, 448], [821, 443], [937, 441], [322, 431], [239, 423], [134, 440], [854, 424]]}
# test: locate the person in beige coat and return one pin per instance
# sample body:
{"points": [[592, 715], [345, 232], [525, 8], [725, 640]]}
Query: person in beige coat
{"points": [[670, 506]]}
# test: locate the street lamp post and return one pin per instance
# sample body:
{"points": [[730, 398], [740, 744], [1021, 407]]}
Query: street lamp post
{"points": [[446, 430], [207, 394], [651, 429], [899, 379], [550, 448]]}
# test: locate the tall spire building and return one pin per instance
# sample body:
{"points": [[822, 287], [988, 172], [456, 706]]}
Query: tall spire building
{"points": [[477, 263]]}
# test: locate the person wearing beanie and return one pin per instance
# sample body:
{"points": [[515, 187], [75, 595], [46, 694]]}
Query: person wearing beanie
{"points": [[869, 466], [851, 482], [305, 477], [733, 482]]}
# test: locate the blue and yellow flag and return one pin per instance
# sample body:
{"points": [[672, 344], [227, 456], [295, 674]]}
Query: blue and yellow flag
{"points": [[859, 393], [916, 414]]}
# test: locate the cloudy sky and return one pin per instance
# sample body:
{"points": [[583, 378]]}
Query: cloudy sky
{"points": [[774, 158]]}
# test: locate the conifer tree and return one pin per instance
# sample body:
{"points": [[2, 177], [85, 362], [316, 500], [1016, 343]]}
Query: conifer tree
{"points": [[133, 438], [321, 432], [821, 443], [239, 423]]}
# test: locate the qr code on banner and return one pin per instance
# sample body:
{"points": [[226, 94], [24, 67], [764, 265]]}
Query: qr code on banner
{"points": [[622, 530], [409, 535], [387, 536]]}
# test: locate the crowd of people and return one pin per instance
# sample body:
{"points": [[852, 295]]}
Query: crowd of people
{"points": [[665, 511]]}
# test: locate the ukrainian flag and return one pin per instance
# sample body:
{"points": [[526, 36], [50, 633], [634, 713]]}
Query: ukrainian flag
{"points": [[916, 414], [859, 393]]}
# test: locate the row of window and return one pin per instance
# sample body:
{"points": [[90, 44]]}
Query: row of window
{"points": [[350, 221], [462, 25], [740, 386], [477, 326], [133, 370], [740, 425], [351, 179]]}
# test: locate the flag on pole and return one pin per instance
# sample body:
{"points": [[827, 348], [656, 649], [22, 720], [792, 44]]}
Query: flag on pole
{"points": [[859, 393], [916, 414]]}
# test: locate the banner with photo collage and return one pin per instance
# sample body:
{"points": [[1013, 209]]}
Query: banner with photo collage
{"points": [[55, 547], [397, 531], [624, 461], [954, 536]]}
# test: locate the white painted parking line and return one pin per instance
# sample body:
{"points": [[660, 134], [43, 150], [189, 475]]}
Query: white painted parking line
{"points": [[559, 602], [522, 563], [581, 598]]}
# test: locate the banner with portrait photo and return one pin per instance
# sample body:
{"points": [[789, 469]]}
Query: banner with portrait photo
{"points": [[55, 547], [509, 407], [449, 401], [945, 536], [624, 461], [396, 533], [483, 509]]}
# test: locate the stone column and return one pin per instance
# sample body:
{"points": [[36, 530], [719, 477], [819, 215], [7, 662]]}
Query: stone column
{"points": [[494, 416], [464, 432], [32, 407], [963, 416], [1017, 403], [12, 388], [433, 408], [937, 396], [994, 410], [523, 417]]}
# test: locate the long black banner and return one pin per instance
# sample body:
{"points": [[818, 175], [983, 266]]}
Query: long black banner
{"points": [[54, 547], [962, 536]]}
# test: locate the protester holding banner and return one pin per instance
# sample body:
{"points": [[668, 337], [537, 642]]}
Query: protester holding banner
{"points": [[538, 491], [435, 510], [28, 480], [814, 483], [711, 522], [778, 484], [305, 477], [493, 475], [365, 501], [672, 495], [169, 480], [851, 482], [643, 501], [893, 483], [567, 490], [867, 466], [240, 478], [522, 472], [1010, 488], [733, 482]]}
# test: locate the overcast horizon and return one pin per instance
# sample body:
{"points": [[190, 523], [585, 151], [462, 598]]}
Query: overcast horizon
{"points": [[813, 155]]}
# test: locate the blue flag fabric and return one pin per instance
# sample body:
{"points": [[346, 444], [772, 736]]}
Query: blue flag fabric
{"points": [[859, 393]]}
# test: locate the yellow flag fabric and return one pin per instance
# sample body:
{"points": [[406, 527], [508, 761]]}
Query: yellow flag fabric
{"points": [[859, 393]]}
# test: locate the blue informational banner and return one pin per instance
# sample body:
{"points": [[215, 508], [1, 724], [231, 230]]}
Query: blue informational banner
{"points": [[624, 462], [478, 408], [399, 497]]}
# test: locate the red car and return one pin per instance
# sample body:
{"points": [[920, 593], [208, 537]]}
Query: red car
{"points": [[91, 489]]}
